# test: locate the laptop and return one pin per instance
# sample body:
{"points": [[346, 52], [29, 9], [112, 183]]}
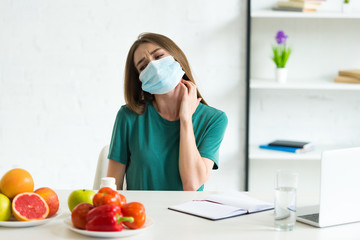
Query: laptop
{"points": [[339, 190]]}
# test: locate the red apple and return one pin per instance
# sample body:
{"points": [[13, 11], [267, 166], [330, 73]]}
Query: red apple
{"points": [[79, 213]]}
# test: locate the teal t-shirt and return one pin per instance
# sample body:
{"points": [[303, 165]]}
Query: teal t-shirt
{"points": [[149, 145]]}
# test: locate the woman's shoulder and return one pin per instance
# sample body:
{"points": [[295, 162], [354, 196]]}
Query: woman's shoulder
{"points": [[211, 112], [126, 111]]}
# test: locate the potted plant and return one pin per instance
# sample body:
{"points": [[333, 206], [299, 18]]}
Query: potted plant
{"points": [[281, 54]]}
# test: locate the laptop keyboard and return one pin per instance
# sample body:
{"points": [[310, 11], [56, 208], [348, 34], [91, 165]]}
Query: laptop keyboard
{"points": [[312, 217]]}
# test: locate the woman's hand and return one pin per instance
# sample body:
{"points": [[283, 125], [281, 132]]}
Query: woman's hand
{"points": [[189, 101]]}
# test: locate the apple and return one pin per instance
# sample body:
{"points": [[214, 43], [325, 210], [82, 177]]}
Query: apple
{"points": [[5, 208], [80, 196], [79, 214]]}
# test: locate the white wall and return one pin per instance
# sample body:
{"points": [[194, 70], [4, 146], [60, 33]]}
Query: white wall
{"points": [[61, 78]]}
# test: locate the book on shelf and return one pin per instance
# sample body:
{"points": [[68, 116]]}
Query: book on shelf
{"points": [[291, 143], [353, 73], [299, 4], [285, 149], [221, 206], [342, 79], [294, 9]]}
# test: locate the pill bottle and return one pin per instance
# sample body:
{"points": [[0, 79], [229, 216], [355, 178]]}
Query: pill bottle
{"points": [[108, 182]]}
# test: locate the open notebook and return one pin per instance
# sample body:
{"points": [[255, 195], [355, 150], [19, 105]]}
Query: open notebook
{"points": [[220, 206]]}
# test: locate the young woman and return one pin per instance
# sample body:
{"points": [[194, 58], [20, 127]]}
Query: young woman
{"points": [[166, 137]]}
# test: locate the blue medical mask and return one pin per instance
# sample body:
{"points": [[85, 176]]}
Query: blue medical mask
{"points": [[161, 76]]}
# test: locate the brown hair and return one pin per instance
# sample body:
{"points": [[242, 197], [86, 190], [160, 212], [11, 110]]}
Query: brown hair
{"points": [[135, 97]]}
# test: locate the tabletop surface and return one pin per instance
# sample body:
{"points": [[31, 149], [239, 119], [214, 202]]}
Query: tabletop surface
{"points": [[174, 225]]}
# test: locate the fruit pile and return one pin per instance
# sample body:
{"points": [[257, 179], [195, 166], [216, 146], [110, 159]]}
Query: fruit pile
{"points": [[106, 211], [18, 198]]}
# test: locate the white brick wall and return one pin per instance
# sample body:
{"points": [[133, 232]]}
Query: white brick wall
{"points": [[61, 78]]}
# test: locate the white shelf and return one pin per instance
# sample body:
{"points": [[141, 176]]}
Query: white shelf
{"points": [[255, 153], [321, 84], [319, 14]]}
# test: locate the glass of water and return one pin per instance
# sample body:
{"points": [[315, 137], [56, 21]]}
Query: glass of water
{"points": [[285, 200]]}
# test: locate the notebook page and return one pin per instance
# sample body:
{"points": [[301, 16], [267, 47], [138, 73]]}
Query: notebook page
{"points": [[208, 209], [240, 200]]}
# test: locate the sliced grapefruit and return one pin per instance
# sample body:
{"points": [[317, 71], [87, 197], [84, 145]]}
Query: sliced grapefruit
{"points": [[29, 206]]}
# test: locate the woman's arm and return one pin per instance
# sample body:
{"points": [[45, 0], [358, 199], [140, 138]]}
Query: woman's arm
{"points": [[194, 169], [117, 171]]}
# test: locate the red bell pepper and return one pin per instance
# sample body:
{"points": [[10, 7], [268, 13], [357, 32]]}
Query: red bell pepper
{"points": [[107, 195], [135, 210], [106, 218]]}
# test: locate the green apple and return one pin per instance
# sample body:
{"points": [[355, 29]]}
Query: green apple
{"points": [[5, 208], [80, 196]]}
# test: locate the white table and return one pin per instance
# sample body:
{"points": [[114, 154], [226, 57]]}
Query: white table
{"points": [[174, 225]]}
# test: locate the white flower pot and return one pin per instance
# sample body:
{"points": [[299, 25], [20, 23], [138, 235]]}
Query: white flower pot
{"points": [[346, 7], [281, 75]]}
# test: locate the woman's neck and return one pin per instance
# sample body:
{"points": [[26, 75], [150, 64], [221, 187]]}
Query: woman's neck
{"points": [[168, 105]]}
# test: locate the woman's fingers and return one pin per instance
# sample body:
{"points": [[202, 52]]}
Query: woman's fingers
{"points": [[190, 101], [190, 85]]}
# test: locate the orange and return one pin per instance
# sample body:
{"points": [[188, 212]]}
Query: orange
{"points": [[16, 181], [51, 198], [29, 206]]}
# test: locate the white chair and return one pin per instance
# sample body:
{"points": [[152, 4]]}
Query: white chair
{"points": [[102, 166]]}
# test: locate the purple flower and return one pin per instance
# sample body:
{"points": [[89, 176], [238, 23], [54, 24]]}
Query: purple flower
{"points": [[281, 37]]}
